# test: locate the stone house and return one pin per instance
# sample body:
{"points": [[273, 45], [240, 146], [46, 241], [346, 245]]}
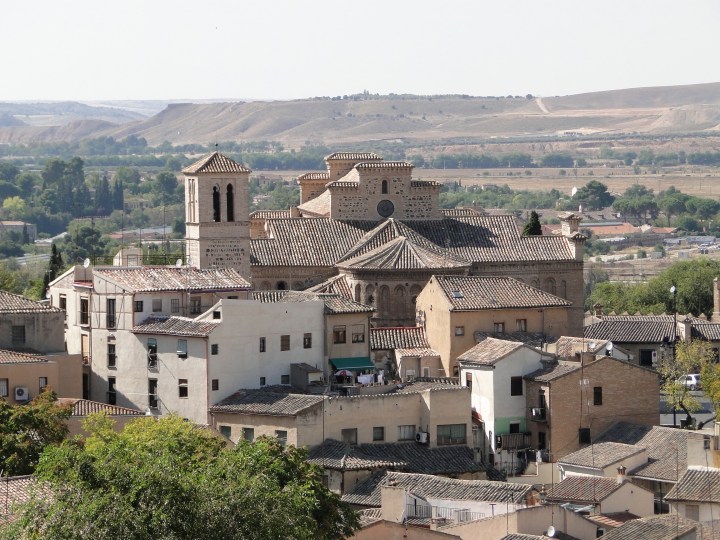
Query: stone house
{"points": [[603, 459], [459, 311], [569, 404], [404, 352], [696, 496]]}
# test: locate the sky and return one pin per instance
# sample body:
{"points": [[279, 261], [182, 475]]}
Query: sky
{"points": [[93, 50]]}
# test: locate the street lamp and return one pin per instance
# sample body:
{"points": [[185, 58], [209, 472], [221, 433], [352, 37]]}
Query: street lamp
{"points": [[673, 291]]}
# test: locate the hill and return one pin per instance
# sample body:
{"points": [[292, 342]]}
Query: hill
{"points": [[366, 118]]}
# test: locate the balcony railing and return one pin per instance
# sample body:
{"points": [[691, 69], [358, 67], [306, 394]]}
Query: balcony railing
{"points": [[456, 515], [513, 441], [538, 414]]}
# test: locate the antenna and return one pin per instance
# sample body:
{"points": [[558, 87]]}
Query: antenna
{"points": [[551, 531], [86, 263]]}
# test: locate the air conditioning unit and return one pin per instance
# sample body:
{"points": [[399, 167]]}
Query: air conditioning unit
{"points": [[22, 393], [421, 437]]}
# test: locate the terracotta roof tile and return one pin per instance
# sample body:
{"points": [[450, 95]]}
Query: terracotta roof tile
{"points": [[467, 293], [215, 163], [660, 527], [314, 176], [267, 402], [601, 455], [371, 165], [318, 206], [489, 351], [167, 278], [352, 156], [15, 357], [269, 214], [175, 326], [334, 303], [14, 303], [367, 492], [583, 489], [85, 407], [632, 328], [335, 285], [14, 490], [416, 351], [567, 346], [612, 519], [409, 337], [556, 371], [697, 484], [429, 383], [402, 254]]}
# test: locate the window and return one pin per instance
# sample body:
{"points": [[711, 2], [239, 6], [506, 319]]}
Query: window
{"points": [[217, 315], [248, 434], [215, 385], [379, 433], [214, 348], [18, 335], [597, 395], [358, 333], [514, 427], [339, 334], [139, 306], [468, 379], [225, 431], [110, 315], [459, 330], [157, 305], [307, 341], [42, 383], [4, 388], [516, 386], [384, 187], [406, 433], [63, 302], [349, 436], [584, 435], [499, 327], [152, 352], [216, 204], [285, 343], [284, 379], [646, 357], [84, 311], [182, 348], [262, 381], [262, 344], [182, 388], [152, 393], [451, 434], [195, 305], [692, 511], [111, 393], [542, 442], [111, 357], [174, 305], [281, 434], [230, 203], [410, 374], [521, 325]]}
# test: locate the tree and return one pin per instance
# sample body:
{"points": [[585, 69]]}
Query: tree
{"points": [[168, 479], [593, 196], [692, 356], [638, 202], [533, 227], [25, 430]]}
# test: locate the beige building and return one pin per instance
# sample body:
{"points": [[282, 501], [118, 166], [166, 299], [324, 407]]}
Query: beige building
{"points": [[24, 376], [83, 408], [601, 495], [696, 496], [404, 353], [459, 311], [569, 404]]}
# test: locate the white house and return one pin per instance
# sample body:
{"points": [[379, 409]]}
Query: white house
{"points": [[696, 496]]}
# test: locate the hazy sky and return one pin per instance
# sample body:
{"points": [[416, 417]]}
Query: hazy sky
{"points": [[177, 49]]}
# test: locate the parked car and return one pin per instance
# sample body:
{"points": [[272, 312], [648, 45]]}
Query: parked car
{"points": [[692, 381]]}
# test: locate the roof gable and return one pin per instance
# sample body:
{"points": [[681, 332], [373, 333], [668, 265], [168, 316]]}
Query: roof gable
{"points": [[601, 455], [406, 337], [490, 351], [170, 278], [215, 163]]}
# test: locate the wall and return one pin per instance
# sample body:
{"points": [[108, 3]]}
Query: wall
{"points": [[630, 498], [44, 331], [63, 373]]}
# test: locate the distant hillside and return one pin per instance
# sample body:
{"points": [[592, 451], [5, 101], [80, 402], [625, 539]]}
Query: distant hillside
{"points": [[360, 119]]}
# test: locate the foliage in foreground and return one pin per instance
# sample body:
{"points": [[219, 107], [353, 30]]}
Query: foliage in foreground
{"points": [[167, 479], [692, 356]]}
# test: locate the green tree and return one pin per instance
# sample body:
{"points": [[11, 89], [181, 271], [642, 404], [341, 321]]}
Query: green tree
{"points": [[533, 227], [637, 202], [168, 479], [693, 356], [593, 196], [26, 430]]}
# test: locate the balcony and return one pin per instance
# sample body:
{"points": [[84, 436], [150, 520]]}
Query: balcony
{"points": [[513, 441], [442, 514], [538, 414]]}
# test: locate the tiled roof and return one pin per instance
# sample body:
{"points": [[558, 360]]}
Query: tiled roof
{"points": [[14, 357], [567, 346], [697, 484], [472, 238], [409, 337], [666, 448], [601, 455], [369, 516], [85, 407], [660, 527], [384, 165], [421, 352], [632, 328], [14, 303], [335, 285], [706, 330], [466, 293], [269, 214], [583, 489], [556, 371], [402, 254], [459, 212], [169, 278], [14, 490], [334, 303], [175, 326], [534, 339], [489, 351], [215, 163], [352, 156], [421, 384], [314, 176], [407, 456], [367, 492], [612, 519], [266, 402], [318, 206]]}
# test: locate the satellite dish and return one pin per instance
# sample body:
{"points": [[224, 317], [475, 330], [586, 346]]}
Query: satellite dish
{"points": [[178, 263], [551, 531], [48, 295], [86, 263]]}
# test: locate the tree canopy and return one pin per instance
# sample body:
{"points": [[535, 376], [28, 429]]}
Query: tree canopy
{"points": [[168, 479], [533, 227]]}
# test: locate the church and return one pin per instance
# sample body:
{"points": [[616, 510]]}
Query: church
{"points": [[367, 230]]}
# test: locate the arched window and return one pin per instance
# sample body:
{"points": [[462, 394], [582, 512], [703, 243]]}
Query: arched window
{"points": [[358, 288], [384, 301], [230, 203], [563, 289], [384, 186], [216, 204], [370, 295], [550, 285], [414, 292]]}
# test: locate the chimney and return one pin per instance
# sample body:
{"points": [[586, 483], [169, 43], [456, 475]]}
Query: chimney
{"points": [[621, 474], [598, 310], [716, 300], [685, 332]]}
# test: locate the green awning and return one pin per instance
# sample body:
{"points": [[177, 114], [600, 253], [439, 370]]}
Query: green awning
{"points": [[358, 362]]}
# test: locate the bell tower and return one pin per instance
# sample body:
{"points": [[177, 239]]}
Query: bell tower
{"points": [[217, 223]]}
